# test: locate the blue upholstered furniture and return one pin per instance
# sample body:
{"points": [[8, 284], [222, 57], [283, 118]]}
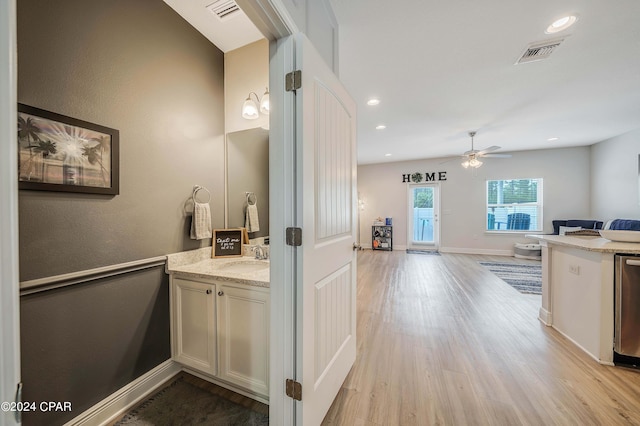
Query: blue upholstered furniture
{"points": [[625, 225], [518, 221], [584, 224]]}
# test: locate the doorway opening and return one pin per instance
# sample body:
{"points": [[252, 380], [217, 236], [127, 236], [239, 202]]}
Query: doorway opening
{"points": [[423, 230]]}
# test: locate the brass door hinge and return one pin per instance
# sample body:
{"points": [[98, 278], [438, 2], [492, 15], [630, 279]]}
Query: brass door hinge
{"points": [[294, 390], [294, 236], [293, 81]]}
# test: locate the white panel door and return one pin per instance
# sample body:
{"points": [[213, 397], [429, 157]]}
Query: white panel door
{"points": [[326, 199], [9, 280]]}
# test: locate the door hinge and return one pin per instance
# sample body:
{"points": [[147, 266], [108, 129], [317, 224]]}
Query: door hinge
{"points": [[293, 80], [294, 237], [294, 390]]}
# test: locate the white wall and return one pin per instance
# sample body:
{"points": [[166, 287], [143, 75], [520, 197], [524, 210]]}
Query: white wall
{"points": [[614, 177], [316, 19], [245, 70], [566, 174]]}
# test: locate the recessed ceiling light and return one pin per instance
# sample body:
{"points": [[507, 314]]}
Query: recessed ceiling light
{"points": [[381, 127], [387, 155], [561, 24], [373, 101], [552, 139]]}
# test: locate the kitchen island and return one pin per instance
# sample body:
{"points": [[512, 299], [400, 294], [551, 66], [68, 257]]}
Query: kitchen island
{"points": [[578, 289]]}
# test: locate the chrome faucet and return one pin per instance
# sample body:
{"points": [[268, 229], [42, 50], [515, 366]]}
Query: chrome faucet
{"points": [[261, 252]]}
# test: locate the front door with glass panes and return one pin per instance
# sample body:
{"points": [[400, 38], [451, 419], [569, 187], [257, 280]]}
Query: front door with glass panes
{"points": [[423, 230]]}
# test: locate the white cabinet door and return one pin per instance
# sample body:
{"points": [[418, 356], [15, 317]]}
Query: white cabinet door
{"points": [[194, 334], [243, 336]]}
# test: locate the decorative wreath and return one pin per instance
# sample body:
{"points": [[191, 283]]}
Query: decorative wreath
{"points": [[416, 177]]}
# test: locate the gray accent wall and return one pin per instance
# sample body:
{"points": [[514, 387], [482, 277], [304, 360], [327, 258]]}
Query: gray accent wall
{"points": [[138, 67], [83, 342]]}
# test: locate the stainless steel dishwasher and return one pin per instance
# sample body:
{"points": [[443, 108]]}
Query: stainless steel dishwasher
{"points": [[627, 305]]}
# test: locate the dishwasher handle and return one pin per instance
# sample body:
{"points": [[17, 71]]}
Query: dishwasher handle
{"points": [[633, 262]]}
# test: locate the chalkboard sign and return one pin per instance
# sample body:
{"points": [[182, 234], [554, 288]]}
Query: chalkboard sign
{"points": [[227, 242]]}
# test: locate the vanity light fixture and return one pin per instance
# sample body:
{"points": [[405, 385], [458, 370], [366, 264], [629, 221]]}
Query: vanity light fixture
{"points": [[250, 109], [561, 24]]}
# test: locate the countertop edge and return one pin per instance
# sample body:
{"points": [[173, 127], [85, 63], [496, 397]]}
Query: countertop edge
{"points": [[196, 275], [596, 244]]}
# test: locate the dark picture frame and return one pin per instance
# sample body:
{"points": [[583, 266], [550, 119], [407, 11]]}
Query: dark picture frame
{"points": [[65, 154], [227, 242]]}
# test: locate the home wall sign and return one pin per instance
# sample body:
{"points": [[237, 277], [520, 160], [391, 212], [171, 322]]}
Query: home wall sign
{"points": [[418, 177]]}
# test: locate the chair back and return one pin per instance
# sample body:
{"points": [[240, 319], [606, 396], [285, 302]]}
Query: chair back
{"points": [[518, 221]]}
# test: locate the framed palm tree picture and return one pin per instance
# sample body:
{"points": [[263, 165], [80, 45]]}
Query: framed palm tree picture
{"points": [[60, 153]]}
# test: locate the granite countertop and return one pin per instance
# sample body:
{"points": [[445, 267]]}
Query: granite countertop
{"points": [[199, 264], [589, 243]]}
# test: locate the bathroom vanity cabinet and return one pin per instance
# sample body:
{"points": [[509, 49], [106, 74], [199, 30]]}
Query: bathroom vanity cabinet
{"points": [[221, 329]]}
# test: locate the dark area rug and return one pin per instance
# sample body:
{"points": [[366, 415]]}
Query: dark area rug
{"points": [[431, 252], [182, 403], [526, 278]]}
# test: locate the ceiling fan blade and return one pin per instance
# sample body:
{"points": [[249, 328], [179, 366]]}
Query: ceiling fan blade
{"points": [[496, 155], [490, 149]]}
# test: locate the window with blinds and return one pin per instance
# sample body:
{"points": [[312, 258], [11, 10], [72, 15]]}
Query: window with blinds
{"points": [[514, 205]]}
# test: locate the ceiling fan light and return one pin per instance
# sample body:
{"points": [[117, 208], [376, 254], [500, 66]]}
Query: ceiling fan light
{"points": [[475, 163], [264, 102], [465, 164], [249, 109]]}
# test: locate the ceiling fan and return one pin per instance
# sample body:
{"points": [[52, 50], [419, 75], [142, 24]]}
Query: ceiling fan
{"points": [[472, 157]]}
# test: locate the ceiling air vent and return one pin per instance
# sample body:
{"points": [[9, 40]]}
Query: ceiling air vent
{"points": [[224, 9], [539, 51]]}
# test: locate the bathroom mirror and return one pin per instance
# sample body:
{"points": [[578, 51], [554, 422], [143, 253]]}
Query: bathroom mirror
{"points": [[248, 172]]}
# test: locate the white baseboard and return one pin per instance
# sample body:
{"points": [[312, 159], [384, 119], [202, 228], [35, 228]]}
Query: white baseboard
{"points": [[458, 250], [545, 317], [226, 385], [123, 399], [595, 357]]}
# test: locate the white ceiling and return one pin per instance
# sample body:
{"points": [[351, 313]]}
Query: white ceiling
{"points": [[444, 68], [227, 34]]}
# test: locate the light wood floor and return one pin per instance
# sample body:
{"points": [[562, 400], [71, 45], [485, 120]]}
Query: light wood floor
{"points": [[442, 341]]}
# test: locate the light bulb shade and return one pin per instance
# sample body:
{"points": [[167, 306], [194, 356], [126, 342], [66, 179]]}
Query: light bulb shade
{"points": [[465, 164], [264, 103], [475, 163], [250, 109]]}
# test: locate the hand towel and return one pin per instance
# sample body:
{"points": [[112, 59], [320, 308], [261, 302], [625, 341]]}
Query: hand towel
{"points": [[251, 221], [201, 221]]}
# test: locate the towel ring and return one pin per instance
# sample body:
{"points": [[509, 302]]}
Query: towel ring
{"points": [[197, 189], [249, 195]]}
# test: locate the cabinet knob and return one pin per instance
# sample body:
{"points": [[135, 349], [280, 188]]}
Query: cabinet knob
{"points": [[220, 293], [209, 291]]}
